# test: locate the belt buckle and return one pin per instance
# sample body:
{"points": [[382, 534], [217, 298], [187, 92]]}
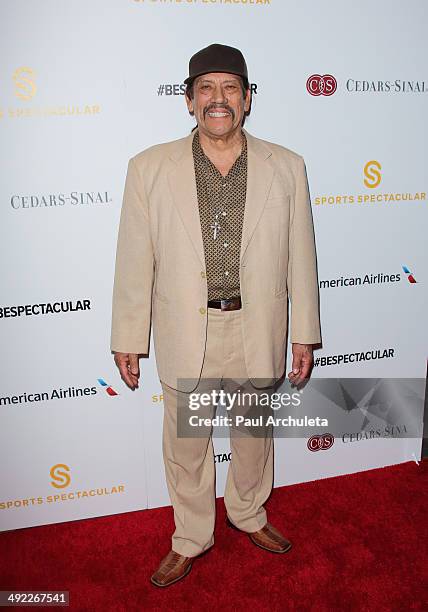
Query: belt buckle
{"points": [[224, 304]]}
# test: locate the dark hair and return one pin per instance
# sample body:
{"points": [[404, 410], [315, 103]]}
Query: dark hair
{"points": [[245, 86]]}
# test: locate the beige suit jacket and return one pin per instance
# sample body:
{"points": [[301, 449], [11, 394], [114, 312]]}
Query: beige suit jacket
{"points": [[160, 274]]}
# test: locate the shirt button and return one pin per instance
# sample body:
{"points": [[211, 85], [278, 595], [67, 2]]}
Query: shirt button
{"points": [[224, 213], [203, 275], [225, 244], [202, 310], [226, 273]]}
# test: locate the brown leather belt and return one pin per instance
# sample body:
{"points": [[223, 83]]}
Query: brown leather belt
{"points": [[227, 304]]}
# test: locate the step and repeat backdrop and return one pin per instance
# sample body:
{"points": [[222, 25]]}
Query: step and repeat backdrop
{"points": [[84, 86]]}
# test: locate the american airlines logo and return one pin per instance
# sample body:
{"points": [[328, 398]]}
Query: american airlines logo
{"points": [[379, 278]]}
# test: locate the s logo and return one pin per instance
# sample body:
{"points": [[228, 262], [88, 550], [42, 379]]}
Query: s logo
{"points": [[372, 174], [60, 476], [25, 87]]}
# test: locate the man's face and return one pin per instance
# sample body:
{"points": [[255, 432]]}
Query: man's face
{"points": [[218, 103]]}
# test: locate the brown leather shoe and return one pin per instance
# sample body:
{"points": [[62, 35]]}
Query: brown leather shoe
{"points": [[172, 568], [268, 538]]}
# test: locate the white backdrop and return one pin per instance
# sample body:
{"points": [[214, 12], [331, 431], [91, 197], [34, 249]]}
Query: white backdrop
{"points": [[85, 86]]}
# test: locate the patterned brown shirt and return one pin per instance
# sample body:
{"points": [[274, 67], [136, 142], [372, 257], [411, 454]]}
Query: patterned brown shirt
{"points": [[221, 201]]}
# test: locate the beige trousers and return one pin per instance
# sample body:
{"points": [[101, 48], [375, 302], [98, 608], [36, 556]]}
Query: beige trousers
{"points": [[189, 462]]}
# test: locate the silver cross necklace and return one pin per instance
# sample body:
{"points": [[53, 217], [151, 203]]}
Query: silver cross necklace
{"points": [[228, 181], [215, 226]]}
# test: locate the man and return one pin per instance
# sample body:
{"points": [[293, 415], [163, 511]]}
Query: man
{"points": [[215, 235]]}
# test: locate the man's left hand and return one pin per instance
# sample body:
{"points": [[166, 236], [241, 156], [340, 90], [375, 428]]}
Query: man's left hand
{"points": [[302, 363]]}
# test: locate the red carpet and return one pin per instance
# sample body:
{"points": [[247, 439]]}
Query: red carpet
{"points": [[360, 543]]}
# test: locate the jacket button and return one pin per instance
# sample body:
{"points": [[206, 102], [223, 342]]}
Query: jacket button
{"points": [[202, 310], [203, 275]]}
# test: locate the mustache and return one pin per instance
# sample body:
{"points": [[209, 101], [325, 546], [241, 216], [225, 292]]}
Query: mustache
{"points": [[224, 107]]}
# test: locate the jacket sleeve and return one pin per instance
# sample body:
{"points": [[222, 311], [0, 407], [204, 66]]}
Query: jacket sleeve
{"points": [[134, 270], [302, 280]]}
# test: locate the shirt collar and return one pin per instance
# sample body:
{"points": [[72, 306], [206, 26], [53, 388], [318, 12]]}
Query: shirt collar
{"points": [[239, 165]]}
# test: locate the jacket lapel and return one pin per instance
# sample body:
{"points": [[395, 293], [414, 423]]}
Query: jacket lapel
{"points": [[259, 179], [182, 185]]}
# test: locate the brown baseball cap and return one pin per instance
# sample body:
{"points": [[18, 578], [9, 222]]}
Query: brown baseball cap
{"points": [[217, 58]]}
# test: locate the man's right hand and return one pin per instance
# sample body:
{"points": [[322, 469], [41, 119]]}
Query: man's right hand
{"points": [[128, 367]]}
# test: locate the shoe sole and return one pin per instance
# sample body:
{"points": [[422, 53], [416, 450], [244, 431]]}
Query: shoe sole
{"points": [[230, 524], [158, 584], [270, 549]]}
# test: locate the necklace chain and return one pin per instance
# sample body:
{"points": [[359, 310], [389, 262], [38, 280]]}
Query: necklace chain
{"points": [[215, 225]]}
